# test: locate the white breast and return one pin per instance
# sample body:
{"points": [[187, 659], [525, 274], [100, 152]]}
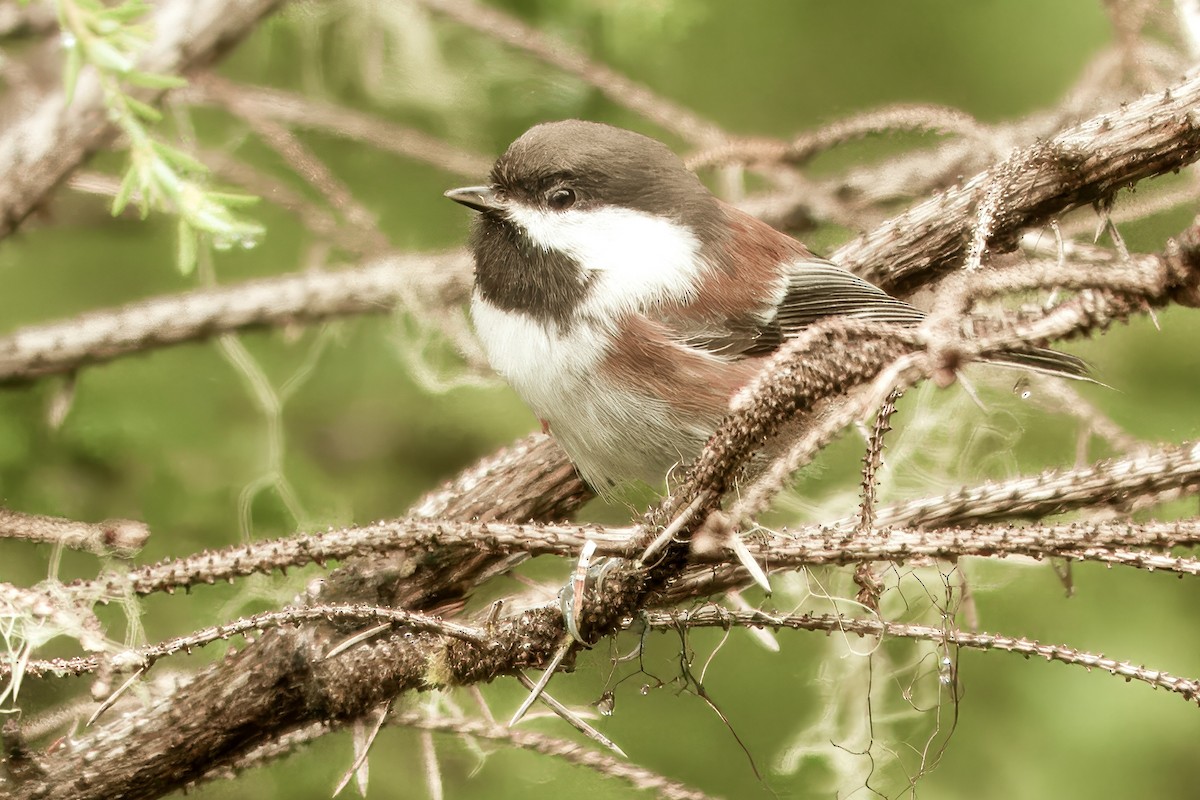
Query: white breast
{"points": [[611, 434], [542, 366]]}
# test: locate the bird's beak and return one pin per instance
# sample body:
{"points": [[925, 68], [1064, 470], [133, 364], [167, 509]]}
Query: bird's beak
{"points": [[480, 198]]}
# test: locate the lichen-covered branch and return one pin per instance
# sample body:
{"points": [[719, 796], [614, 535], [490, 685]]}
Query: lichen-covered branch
{"points": [[375, 288], [122, 537]]}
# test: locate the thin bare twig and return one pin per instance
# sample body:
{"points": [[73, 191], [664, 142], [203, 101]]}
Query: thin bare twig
{"points": [[1137, 545], [318, 175], [713, 616], [903, 117], [509, 30], [262, 103]]}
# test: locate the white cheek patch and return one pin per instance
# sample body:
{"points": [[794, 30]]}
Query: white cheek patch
{"points": [[637, 260]]}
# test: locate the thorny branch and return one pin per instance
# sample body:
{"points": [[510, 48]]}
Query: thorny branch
{"points": [[254, 102], [1091, 486], [714, 616], [313, 666], [1142, 545]]}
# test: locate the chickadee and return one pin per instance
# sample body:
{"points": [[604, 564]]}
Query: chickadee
{"points": [[627, 305]]}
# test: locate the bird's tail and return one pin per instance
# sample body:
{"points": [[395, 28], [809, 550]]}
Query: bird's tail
{"points": [[1046, 361]]}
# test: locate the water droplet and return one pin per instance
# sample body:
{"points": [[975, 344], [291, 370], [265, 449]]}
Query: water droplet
{"points": [[1023, 389], [222, 243], [645, 689], [945, 671], [248, 242], [68, 40], [606, 704]]}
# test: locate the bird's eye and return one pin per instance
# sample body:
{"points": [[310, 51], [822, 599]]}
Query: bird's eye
{"points": [[561, 198]]}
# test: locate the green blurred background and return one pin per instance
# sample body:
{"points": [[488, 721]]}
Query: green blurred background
{"points": [[176, 438]]}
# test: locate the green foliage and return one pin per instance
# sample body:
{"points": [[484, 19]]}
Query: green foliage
{"points": [[159, 176]]}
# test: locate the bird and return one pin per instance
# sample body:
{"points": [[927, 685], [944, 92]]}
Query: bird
{"points": [[627, 305]]}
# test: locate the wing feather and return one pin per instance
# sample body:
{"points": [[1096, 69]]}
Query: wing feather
{"points": [[750, 307]]}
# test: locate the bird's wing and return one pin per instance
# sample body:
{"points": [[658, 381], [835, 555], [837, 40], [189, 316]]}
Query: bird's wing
{"points": [[817, 289], [751, 307], [763, 286], [812, 289]]}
